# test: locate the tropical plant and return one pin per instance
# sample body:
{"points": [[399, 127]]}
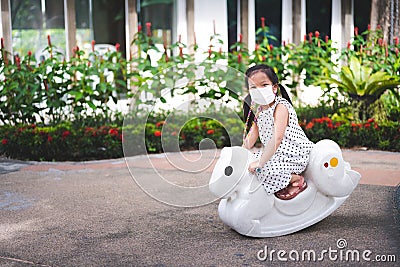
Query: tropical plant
{"points": [[362, 85]]}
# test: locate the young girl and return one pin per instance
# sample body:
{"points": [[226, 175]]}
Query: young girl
{"points": [[285, 152]]}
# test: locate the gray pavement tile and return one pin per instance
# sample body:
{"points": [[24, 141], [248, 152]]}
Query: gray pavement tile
{"points": [[102, 218]]}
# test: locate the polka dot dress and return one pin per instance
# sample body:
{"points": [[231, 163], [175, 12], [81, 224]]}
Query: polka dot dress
{"points": [[292, 155]]}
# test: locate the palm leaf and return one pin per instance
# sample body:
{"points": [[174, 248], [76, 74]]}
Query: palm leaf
{"points": [[379, 87], [346, 76]]}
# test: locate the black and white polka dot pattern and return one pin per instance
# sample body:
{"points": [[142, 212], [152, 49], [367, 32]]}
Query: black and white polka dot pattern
{"points": [[292, 156]]}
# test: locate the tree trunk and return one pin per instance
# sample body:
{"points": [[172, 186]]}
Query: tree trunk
{"points": [[386, 14]]}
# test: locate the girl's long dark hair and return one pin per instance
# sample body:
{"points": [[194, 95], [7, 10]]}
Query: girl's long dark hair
{"points": [[248, 114]]}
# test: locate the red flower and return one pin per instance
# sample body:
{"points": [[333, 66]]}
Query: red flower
{"points": [[113, 132], [4, 141], [330, 125], [18, 62], [48, 40], [326, 39], [348, 45], [211, 131], [157, 133], [29, 53], [93, 44], [327, 119], [309, 125], [356, 31], [139, 28], [316, 34], [117, 47], [310, 37], [160, 123], [65, 134], [396, 41], [239, 58], [370, 120], [148, 26], [240, 38], [367, 125], [181, 52], [369, 27], [49, 138], [262, 22]]}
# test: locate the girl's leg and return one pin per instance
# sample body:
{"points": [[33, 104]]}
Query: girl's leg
{"points": [[297, 180]]}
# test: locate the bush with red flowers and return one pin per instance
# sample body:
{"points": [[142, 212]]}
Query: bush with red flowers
{"points": [[370, 134], [61, 142]]}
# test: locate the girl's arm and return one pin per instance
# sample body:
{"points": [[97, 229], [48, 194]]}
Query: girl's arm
{"points": [[281, 118], [251, 137]]}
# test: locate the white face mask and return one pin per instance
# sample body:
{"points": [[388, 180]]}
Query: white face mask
{"points": [[263, 96]]}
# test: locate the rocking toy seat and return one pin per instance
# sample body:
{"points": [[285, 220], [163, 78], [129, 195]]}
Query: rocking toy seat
{"points": [[248, 209]]}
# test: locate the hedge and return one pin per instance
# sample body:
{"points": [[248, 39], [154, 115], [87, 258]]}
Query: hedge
{"points": [[66, 142]]}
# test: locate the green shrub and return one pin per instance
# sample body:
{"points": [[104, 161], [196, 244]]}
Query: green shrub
{"points": [[370, 134]]}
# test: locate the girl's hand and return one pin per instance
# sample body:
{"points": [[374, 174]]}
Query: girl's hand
{"points": [[254, 166]]}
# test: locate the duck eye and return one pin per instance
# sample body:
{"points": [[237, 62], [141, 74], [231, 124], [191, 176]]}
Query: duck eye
{"points": [[228, 171]]}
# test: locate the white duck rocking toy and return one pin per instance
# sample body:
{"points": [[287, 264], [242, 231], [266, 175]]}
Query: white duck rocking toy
{"points": [[248, 209]]}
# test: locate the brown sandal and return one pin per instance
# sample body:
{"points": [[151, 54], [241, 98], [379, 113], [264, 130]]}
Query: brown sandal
{"points": [[285, 194]]}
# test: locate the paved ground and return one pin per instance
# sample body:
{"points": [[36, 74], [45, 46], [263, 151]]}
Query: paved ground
{"points": [[94, 214]]}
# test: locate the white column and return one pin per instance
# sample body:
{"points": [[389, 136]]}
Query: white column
{"points": [[336, 27], [180, 27], [238, 16], [6, 29], [131, 26], [287, 21], [347, 22], [70, 27], [252, 25], [303, 18], [206, 13]]}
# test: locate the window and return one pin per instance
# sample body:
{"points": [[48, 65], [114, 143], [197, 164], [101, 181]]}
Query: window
{"points": [[84, 24], [362, 14], [160, 14], [109, 22], [32, 21], [319, 16], [271, 10], [232, 21]]}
